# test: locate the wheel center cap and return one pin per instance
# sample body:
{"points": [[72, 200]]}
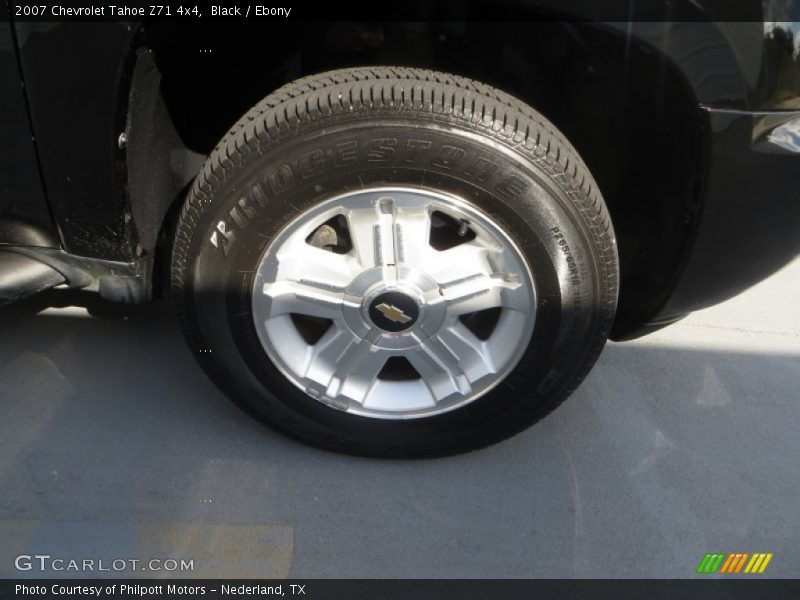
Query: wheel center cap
{"points": [[393, 311]]}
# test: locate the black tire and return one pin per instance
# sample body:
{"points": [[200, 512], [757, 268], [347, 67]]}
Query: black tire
{"points": [[316, 138]]}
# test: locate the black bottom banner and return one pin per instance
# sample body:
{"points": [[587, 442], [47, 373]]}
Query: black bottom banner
{"points": [[401, 589]]}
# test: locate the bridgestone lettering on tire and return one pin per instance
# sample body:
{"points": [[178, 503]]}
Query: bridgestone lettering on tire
{"points": [[395, 262]]}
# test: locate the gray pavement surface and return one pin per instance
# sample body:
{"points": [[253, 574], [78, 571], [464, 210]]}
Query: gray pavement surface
{"points": [[114, 444]]}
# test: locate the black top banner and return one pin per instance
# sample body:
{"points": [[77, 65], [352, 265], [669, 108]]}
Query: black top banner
{"points": [[408, 10]]}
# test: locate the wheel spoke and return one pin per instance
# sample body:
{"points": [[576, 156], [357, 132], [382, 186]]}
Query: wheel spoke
{"points": [[480, 291], [473, 354], [307, 297], [412, 233], [451, 361], [459, 262], [343, 365], [306, 262], [330, 348], [356, 375], [439, 368], [372, 233]]}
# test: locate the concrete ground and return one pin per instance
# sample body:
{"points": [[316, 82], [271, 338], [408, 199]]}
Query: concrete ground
{"points": [[113, 444]]}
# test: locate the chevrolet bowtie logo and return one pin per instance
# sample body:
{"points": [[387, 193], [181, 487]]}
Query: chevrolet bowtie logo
{"points": [[393, 313]]}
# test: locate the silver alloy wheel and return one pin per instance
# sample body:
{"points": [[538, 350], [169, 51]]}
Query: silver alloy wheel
{"points": [[380, 295]]}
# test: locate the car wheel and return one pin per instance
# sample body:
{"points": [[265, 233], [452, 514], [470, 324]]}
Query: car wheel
{"points": [[395, 262]]}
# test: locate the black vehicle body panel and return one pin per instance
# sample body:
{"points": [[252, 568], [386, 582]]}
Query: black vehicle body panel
{"points": [[735, 216], [77, 77], [749, 225], [24, 213]]}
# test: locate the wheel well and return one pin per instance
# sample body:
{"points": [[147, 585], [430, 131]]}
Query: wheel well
{"points": [[629, 114]]}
